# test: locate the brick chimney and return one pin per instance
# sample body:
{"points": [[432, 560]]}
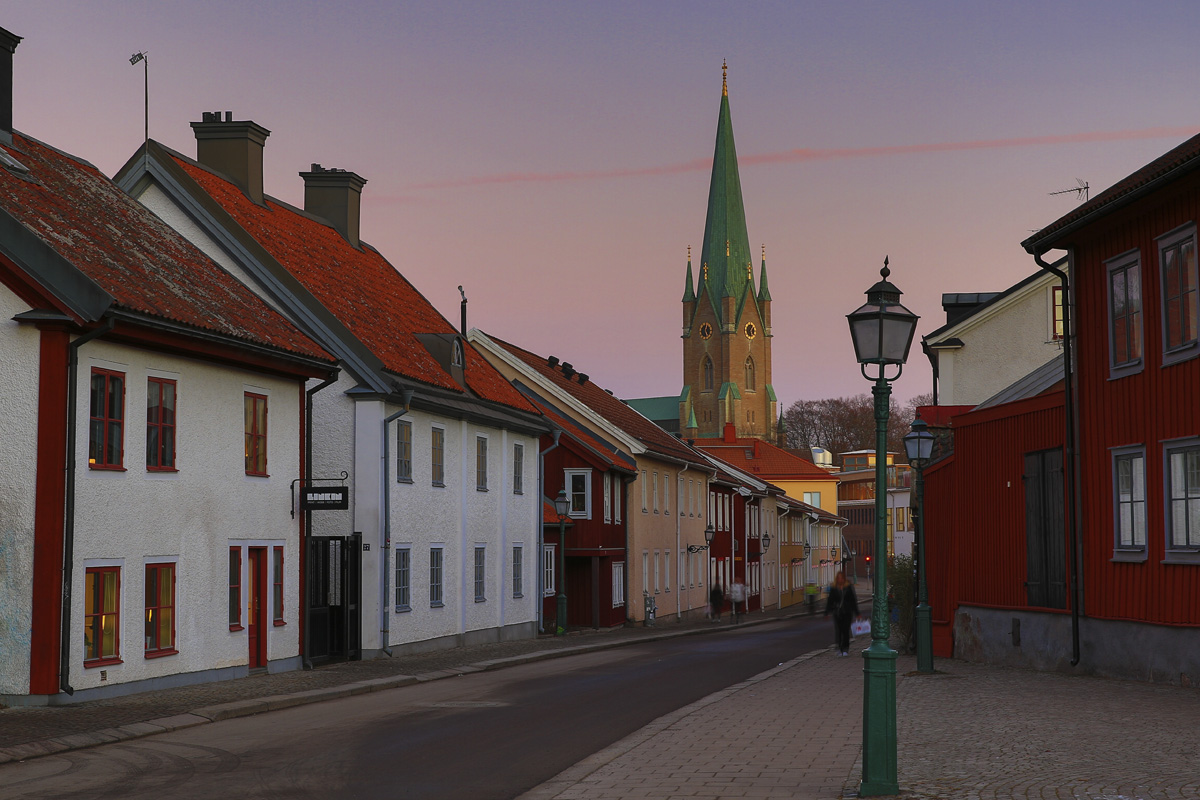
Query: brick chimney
{"points": [[730, 433], [233, 148], [8, 44], [334, 195]]}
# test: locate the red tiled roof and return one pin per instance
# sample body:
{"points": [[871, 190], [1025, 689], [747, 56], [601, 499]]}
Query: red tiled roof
{"points": [[763, 460], [603, 451], [359, 287], [129, 252], [1184, 155], [606, 405], [550, 514]]}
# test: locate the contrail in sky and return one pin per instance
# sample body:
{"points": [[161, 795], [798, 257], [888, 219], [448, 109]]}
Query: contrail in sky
{"points": [[810, 154]]}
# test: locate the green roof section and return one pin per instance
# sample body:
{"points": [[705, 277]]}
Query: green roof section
{"points": [[764, 294], [691, 423], [727, 388], [689, 296], [656, 408], [725, 255], [771, 394]]}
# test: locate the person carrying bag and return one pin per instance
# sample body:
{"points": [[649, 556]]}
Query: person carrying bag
{"points": [[843, 604]]}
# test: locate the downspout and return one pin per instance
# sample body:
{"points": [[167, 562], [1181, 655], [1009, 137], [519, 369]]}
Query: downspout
{"points": [[541, 528], [933, 362], [385, 626], [1069, 446], [626, 483], [308, 470], [64, 662], [678, 523]]}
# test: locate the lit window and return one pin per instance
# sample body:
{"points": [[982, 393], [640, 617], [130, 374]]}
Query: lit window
{"points": [[102, 616], [160, 609], [1056, 311], [160, 424], [256, 434], [107, 429]]}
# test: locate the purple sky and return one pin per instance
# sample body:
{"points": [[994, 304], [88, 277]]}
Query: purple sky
{"points": [[553, 157]]}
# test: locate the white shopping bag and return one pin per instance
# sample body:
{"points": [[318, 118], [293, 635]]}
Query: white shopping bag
{"points": [[860, 626]]}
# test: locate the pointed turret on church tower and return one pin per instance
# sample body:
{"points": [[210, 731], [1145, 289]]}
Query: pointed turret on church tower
{"points": [[726, 323]]}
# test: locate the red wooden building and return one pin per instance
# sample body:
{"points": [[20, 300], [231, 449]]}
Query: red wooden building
{"points": [[1108, 491]]}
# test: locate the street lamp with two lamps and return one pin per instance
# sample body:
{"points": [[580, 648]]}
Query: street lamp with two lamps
{"points": [[882, 330], [918, 446]]}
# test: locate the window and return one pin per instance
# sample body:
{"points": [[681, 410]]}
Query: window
{"points": [[657, 571], [1129, 496], [403, 579], [160, 424], [107, 431], [667, 571], [256, 434], [607, 497], [666, 492], [1125, 314], [645, 572], [480, 574], [548, 570], [235, 588], [578, 491], [481, 463], [518, 571], [813, 499], [160, 610], [1056, 313], [277, 586], [618, 584], [643, 491], [708, 374], [750, 373], [654, 488], [1183, 497], [1177, 262], [438, 447], [518, 468], [456, 354], [616, 498], [404, 451], [435, 577], [102, 616]]}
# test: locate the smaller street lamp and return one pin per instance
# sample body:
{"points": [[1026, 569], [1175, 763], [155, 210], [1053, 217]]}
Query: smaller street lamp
{"points": [[562, 507], [708, 537], [918, 446]]}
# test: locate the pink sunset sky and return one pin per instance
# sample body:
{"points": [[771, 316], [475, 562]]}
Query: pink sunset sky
{"points": [[553, 157]]}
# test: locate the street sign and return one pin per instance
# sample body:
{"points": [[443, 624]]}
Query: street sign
{"points": [[325, 498]]}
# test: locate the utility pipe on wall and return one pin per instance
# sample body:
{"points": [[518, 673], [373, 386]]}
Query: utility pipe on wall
{"points": [[541, 528], [385, 628], [305, 658]]}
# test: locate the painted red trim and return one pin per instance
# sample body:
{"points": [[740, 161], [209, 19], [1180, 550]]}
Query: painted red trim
{"points": [[115, 657], [102, 662], [170, 648], [50, 488], [106, 419], [160, 653]]}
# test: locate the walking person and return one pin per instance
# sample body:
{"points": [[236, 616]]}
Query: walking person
{"points": [[716, 599], [843, 604], [738, 595]]}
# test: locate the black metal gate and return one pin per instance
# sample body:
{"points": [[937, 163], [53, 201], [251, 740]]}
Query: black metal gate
{"points": [[334, 598]]}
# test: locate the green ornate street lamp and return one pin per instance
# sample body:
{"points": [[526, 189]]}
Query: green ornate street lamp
{"points": [[918, 445], [882, 331], [562, 507]]}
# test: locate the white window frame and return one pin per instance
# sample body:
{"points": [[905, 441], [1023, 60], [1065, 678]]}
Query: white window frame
{"points": [[657, 571], [666, 570], [1131, 550], [569, 476], [607, 497], [617, 482], [549, 570], [645, 572], [666, 493], [618, 584], [654, 490], [1188, 552], [643, 482]]}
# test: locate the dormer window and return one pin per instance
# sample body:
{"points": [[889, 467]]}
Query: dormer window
{"points": [[456, 355]]}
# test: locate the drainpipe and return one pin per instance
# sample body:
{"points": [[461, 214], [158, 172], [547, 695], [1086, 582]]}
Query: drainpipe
{"points": [[625, 484], [541, 528], [679, 578], [933, 362], [308, 470], [64, 663], [385, 627], [1069, 442]]}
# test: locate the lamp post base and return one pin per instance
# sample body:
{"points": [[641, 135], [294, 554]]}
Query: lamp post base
{"points": [[924, 639], [879, 722], [562, 615]]}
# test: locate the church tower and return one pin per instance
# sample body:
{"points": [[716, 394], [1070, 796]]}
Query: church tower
{"points": [[726, 321]]}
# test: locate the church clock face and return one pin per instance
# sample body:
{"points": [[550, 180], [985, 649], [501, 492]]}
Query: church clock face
{"points": [[705, 330], [751, 331]]}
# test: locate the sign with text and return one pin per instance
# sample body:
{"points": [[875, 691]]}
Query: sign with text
{"points": [[326, 498]]}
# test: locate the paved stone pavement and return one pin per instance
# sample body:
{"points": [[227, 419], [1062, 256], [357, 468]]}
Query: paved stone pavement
{"points": [[966, 732]]}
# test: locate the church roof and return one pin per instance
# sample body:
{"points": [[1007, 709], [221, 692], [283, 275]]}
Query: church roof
{"points": [[725, 255]]}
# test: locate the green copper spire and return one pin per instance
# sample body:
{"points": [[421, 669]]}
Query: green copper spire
{"points": [[726, 249], [689, 296], [764, 294]]}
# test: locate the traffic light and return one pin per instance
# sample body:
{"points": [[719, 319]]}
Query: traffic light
{"points": [[868, 559]]}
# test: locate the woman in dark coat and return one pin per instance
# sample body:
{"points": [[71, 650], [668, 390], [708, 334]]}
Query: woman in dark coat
{"points": [[843, 604], [716, 599]]}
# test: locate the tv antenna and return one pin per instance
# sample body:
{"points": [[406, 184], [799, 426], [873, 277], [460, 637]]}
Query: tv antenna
{"points": [[144, 58], [1080, 190]]}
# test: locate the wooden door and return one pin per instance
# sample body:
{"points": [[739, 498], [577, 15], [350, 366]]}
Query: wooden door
{"points": [[257, 607], [1045, 530]]}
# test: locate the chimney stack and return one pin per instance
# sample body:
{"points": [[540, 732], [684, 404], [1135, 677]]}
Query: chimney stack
{"points": [[233, 148], [8, 44], [334, 195]]}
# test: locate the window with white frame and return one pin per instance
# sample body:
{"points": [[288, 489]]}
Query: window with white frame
{"points": [[607, 497], [813, 499], [1182, 472], [654, 490], [1129, 498], [548, 570], [618, 584], [1056, 313], [518, 570], [645, 572], [683, 584], [1177, 273], [481, 465], [657, 571], [579, 492], [435, 577], [643, 482], [480, 573], [666, 493], [1124, 314], [667, 571], [617, 498], [403, 578]]}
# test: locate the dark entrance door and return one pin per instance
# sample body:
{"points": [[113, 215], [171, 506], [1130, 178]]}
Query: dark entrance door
{"points": [[1045, 530], [334, 580], [256, 627]]}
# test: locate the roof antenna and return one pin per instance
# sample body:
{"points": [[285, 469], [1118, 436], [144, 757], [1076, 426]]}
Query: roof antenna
{"points": [[464, 310], [1080, 190], [133, 60]]}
